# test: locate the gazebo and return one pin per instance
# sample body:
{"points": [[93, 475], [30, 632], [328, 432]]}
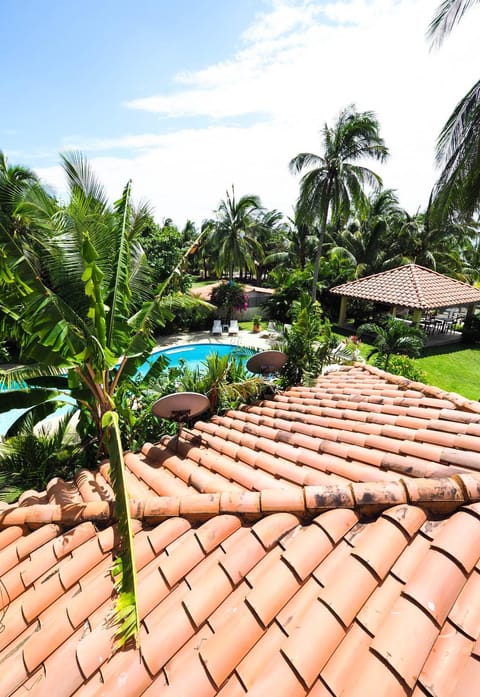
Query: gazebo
{"points": [[409, 286]]}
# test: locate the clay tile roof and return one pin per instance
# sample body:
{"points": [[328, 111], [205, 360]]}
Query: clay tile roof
{"points": [[411, 286], [325, 541]]}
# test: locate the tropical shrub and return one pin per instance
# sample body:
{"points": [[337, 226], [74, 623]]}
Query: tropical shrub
{"points": [[77, 297], [194, 318], [395, 337], [471, 328], [30, 459], [229, 297], [309, 344], [402, 365], [288, 289], [224, 380]]}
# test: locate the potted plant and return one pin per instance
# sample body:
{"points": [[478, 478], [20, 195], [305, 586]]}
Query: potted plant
{"points": [[257, 323]]}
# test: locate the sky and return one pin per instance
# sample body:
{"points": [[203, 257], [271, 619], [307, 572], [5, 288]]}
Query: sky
{"points": [[188, 98]]}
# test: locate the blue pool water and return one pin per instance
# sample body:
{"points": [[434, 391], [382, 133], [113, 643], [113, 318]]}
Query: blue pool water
{"points": [[192, 354]]}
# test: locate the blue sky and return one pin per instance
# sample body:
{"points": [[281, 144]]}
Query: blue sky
{"points": [[187, 97]]}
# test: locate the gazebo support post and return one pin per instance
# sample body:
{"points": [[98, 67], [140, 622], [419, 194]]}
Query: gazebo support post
{"points": [[394, 311], [342, 315], [417, 316]]}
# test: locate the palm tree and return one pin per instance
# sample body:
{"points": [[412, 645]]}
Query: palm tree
{"points": [[366, 240], [268, 229], [458, 145], [395, 337], [235, 247], [421, 240], [224, 380], [14, 182], [297, 245], [333, 181]]}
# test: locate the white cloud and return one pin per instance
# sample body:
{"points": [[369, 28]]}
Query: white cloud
{"points": [[301, 63]]}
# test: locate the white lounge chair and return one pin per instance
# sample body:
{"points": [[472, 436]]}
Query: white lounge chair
{"points": [[233, 327], [217, 326]]}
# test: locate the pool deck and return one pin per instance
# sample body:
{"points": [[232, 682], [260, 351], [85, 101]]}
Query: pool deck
{"points": [[260, 341]]}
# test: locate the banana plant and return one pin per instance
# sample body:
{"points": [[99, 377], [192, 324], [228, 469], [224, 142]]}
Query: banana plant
{"points": [[76, 297]]}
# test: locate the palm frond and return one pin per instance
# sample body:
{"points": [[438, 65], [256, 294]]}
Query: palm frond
{"points": [[83, 182], [448, 14]]}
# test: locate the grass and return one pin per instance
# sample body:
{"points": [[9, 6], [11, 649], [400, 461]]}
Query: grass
{"points": [[200, 284], [453, 368]]}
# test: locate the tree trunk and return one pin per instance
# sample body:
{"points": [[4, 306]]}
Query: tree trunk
{"points": [[316, 265]]}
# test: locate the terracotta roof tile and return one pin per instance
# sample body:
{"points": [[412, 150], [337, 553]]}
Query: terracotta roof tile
{"points": [[393, 642], [466, 612], [446, 662], [304, 650], [411, 286], [336, 547]]}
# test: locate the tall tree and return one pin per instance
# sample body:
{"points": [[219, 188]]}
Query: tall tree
{"points": [[332, 181], [268, 229], [458, 146], [231, 233], [297, 245], [366, 240]]}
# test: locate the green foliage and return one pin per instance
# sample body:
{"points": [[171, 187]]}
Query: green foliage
{"points": [[231, 234], [332, 182], [229, 297], [402, 365], [164, 247], [308, 344], [394, 337], [360, 310], [289, 287], [30, 459], [224, 380], [471, 328], [4, 352], [458, 145], [77, 296], [190, 318]]}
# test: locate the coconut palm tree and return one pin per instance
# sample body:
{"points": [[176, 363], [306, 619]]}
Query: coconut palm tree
{"points": [[420, 239], [14, 182], [366, 240], [297, 245], [458, 145], [268, 229], [333, 181], [231, 234]]}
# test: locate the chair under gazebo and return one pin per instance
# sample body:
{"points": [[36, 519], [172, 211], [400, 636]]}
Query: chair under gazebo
{"points": [[412, 287]]}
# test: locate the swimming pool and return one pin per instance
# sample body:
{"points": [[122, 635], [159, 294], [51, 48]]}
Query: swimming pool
{"points": [[195, 354], [192, 354]]}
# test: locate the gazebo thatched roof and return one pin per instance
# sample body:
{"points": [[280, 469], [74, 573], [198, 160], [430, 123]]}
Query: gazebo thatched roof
{"points": [[411, 286]]}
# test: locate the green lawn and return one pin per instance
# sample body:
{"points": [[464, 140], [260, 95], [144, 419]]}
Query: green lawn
{"points": [[200, 284], [452, 368]]}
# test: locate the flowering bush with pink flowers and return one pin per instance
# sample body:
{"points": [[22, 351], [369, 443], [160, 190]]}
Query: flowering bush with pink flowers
{"points": [[229, 297]]}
